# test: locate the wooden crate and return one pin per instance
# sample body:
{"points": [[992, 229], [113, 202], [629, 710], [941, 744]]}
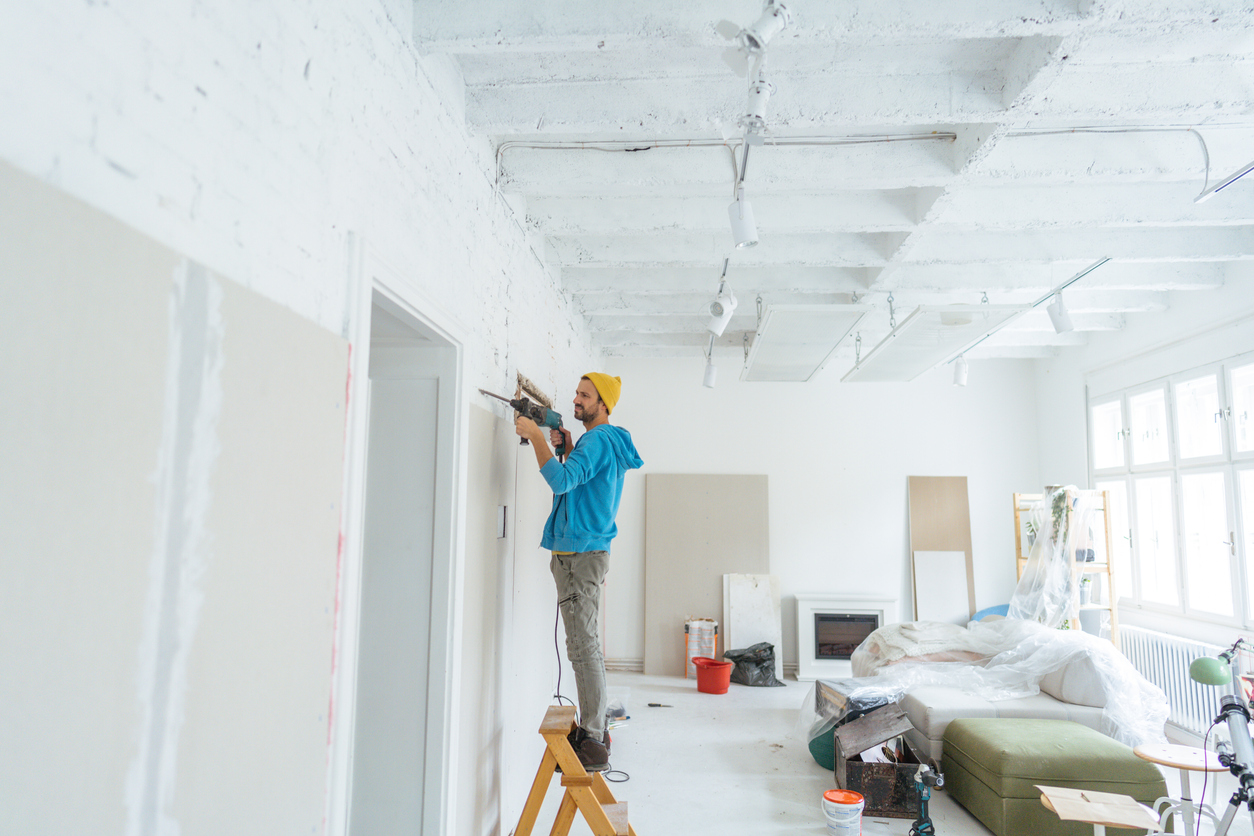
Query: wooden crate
{"points": [[888, 788]]}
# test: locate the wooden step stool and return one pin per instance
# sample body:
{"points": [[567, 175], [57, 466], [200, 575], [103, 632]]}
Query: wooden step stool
{"points": [[589, 794]]}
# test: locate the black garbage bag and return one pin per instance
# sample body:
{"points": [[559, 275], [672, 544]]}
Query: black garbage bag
{"points": [[755, 665]]}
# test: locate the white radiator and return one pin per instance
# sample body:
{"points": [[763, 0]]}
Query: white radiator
{"points": [[1164, 660]]}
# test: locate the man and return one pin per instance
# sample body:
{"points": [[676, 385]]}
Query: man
{"points": [[586, 492]]}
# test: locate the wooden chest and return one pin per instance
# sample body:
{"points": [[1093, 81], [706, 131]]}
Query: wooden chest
{"points": [[889, 788]]}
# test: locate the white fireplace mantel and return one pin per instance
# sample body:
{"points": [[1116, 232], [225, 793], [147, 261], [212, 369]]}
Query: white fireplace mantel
{"points": [[810, 605]]}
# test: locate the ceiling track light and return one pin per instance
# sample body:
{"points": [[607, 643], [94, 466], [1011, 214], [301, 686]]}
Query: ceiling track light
{"points": [[751, 41], [711, 371], [740, 213], [722, 308], [960, 370], [1058, 315], [754, 118]]}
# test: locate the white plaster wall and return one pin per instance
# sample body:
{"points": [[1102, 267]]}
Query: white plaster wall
{"points": [[1198, 328], [255, 138], [837, 457]]}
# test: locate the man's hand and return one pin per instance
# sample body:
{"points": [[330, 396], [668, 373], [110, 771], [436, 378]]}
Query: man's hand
{"points": [[559, 438], [527, 428]]}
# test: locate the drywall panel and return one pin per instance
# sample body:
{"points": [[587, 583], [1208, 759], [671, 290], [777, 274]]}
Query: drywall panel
{"points": [[751, 614], [940, 521], [489, 487], [166, 602], [534, 666], [940, 583], [698, 528], [258, 681], [85, 308]]}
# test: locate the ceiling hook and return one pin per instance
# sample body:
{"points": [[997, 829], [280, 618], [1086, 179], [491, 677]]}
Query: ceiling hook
{"points": [[892, 315], [984, 301]]}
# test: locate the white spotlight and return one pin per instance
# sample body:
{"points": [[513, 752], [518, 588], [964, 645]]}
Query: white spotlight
{"points": [[711, 374], [721, 310], [1058, 315], [754, 119], [752, 40], [744, 230], [960, 370]]}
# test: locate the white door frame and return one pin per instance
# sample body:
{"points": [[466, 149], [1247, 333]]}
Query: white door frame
{"points": [[369, 274]]}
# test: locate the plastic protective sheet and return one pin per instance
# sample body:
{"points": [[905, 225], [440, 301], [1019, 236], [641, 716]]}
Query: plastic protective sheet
{"points": [[1047, 593], [1017, 655], [819, 717]]}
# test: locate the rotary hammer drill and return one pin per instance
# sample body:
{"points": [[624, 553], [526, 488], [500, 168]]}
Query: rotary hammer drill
{"points": [[543, 416]]}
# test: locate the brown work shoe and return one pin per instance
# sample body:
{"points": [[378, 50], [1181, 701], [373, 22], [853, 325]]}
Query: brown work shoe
{"points": [[594, 755]]}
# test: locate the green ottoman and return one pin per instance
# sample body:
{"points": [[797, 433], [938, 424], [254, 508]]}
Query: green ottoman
{"points": [[992, 767]]}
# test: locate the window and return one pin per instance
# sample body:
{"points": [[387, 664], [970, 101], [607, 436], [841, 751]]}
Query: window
{"points": [[1108, 435], [1148, 414], [1156, 539], [1204, 529], [1242, 417], [1176, 457], [1198, 426]]}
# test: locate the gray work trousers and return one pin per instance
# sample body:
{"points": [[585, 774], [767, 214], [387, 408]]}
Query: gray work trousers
{"points": [[578, 577]]}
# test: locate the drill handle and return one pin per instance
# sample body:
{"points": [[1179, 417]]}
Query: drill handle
{"points": [[562, 448]]}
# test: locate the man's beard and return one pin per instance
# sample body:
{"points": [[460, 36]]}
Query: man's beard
{"points": [[589, 414]]}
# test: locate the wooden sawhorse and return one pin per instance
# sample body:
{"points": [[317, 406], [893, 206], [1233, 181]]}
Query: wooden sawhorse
{"points": [[587, 794]]}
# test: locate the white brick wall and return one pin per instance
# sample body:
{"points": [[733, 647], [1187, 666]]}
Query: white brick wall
{"points": [[254, 137]]}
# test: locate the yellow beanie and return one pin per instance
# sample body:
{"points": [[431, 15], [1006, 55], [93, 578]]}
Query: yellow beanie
{"points": [[609, 388]]}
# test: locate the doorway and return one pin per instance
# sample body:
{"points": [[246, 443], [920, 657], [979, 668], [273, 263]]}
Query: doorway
{"points": [[399, 738]]}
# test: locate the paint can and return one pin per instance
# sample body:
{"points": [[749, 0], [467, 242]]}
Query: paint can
{"points": [[843, 809]]}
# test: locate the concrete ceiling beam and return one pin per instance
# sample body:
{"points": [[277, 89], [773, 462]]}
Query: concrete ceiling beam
{"points": [[578, 279], [665, 106], [892, 210], [694, 249], [698, 172], [1130, 244]]}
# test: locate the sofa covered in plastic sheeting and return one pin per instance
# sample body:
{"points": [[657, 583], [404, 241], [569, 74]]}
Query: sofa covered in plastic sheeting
{"points": [[1009, 668]]}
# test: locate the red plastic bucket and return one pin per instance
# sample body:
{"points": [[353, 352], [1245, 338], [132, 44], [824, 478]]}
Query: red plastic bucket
{"points": [[713, 676]]}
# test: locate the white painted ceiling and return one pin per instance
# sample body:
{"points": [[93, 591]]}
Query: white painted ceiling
{"points": [[948, 149]]}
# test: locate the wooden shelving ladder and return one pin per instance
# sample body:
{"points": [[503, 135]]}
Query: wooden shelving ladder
{"points": [[587, 794]]}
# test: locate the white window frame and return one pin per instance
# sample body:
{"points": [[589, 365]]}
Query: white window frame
{"points": [[1231, 463], [1229, 366], [1226, 432]]}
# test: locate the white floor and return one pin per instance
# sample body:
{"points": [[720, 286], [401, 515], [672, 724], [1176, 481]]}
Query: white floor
{"points": [[732, 764]]}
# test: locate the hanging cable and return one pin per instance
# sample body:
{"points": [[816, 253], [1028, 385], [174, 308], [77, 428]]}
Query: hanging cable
{"points": [[892, 315]]}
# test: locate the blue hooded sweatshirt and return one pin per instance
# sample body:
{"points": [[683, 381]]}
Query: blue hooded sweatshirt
{"points": [[587, 489]]}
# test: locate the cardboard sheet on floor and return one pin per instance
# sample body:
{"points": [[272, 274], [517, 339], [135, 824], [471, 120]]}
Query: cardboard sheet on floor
{"points": [[1105, 808], [940, 521]]}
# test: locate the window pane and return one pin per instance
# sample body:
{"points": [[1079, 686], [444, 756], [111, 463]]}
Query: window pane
{"points": [[1204, 523], [1148, 413], [1120, 535], [1199, 430], [1155, 540], [1108, 435], [1243, 407], [1245, 490]]}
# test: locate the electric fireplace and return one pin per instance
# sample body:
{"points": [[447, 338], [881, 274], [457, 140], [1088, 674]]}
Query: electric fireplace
{"points": [[829, 627]]}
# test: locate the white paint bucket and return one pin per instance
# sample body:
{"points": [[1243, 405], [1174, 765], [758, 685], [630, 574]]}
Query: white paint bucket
{"points": [[843, 809]]}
